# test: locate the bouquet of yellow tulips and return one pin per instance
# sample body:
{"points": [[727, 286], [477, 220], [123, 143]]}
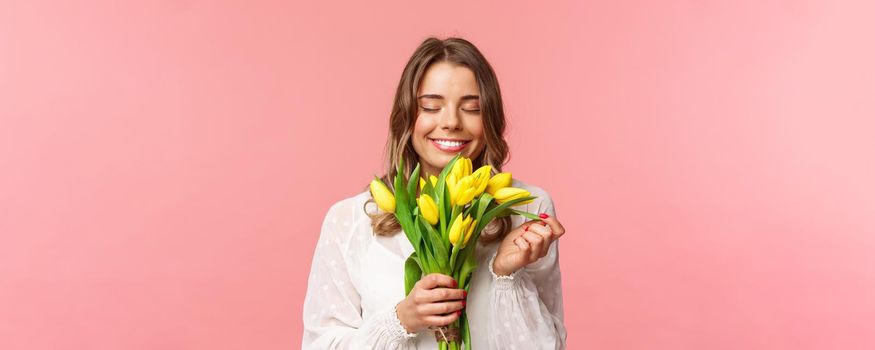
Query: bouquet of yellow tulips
{"points": [[449, 212]]}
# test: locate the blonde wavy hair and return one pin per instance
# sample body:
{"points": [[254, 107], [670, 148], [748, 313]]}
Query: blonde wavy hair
{"points": [[460, 52]]}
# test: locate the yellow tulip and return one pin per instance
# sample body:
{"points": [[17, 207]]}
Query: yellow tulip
{"points": [[505, 194], [459, 228], [421, 184], [451, 180], [434, 180], [462, 167], [383, 195], [469, 232], [481, 179], [486, 169], [456, 229], [466, 225], [467, 191], [498, 181], [428, 208], [461, 191]]}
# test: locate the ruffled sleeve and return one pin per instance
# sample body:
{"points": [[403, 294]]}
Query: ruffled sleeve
{"points": [[527, 310], [332, 305]]}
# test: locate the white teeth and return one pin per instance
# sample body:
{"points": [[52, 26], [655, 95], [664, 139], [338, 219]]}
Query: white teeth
{"points": [[449, 143]]}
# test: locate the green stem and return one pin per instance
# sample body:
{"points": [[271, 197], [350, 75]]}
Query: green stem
{"points": [[453, 255]]}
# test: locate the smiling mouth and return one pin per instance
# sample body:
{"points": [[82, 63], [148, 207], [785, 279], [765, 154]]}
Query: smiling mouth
{"points": [[449, 146]]}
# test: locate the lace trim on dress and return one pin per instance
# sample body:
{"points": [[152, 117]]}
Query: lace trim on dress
{"points": [[396, 329], [497, 277]]}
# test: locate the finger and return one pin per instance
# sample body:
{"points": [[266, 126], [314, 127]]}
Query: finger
{"points": [[442, 294], [531, 225], [544, 231], [555, 225], [536, 241], [440, 309], [518, 231], [436, 320], [521, 243], [548, 236], [434, 280], [527, 225]]}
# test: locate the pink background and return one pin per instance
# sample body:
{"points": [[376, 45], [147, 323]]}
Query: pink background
{"points": [[166, 165]]}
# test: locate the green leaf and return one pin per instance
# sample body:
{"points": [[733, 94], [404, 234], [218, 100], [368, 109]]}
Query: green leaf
{"points": [[492, 213], [399, 171], [466, 334], [429, 264], [441, 195], [429, 188], [412, 272], [434, 248], [468, 266], [440, 248], [511, 211], [417, 218], [472, 207], [448, 204], [403, 209], [413, 183], [483, 203], [465, 254]]}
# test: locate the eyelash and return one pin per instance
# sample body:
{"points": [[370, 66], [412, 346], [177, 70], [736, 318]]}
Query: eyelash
{"points": [[435, 110]]}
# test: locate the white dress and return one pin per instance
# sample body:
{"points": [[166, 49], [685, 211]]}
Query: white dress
{"points": [[356, 279]]}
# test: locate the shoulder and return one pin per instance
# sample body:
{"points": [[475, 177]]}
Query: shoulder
{"points": [[349, 208], [343, 231], [344, 220]]}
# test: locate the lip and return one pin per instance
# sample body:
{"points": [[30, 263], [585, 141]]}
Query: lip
{"points": [[447, 139], [448, 149]]}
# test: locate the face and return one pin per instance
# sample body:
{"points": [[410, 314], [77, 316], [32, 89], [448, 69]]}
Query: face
{"points": [[449, 112]]}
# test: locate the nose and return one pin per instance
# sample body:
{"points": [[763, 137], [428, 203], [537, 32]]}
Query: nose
{"points": [[450, 119]]}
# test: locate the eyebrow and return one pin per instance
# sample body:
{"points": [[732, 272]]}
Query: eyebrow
{"points": [[439, 97]]}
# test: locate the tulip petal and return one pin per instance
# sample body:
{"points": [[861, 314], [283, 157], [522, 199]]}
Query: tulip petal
{"points": [[382, 195]]}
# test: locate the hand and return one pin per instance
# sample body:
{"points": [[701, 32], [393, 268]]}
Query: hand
{"points": [[429, 305], [526, 244]]}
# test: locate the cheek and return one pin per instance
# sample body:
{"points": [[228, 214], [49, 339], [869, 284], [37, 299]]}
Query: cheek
{"points": [[422, 126], [475, 128]]}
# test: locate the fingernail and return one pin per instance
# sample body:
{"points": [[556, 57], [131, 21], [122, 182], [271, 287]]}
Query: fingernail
{"points": [[527, 228], [544, 215], [459, 313], [464, 294], [455, 284], [463, 303]]}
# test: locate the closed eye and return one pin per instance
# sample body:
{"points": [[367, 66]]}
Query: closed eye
{"points": [[435, 110]]}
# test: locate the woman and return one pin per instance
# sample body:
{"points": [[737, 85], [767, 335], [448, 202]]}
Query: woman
{"points": [[447, 102]]}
